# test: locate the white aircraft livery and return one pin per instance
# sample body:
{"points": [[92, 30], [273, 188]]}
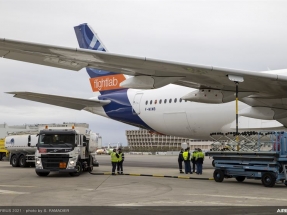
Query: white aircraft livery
{"points": [[201, 100]]}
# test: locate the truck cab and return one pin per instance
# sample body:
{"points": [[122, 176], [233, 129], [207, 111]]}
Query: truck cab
{"points": [[64, 150]]}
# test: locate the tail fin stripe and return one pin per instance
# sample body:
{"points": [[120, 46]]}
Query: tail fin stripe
{"points": [[100, 80]]}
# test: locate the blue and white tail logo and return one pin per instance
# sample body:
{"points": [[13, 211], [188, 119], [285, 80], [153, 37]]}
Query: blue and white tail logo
{"points": [[87, 38], [100, 80]]}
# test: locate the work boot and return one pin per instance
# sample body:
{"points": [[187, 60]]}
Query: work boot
{"points": [[113, 173], [118, 173]]}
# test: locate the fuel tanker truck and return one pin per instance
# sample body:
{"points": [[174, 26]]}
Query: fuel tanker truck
{"points": [[70, 150], [22, 147]]}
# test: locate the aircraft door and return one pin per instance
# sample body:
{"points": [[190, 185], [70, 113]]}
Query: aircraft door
{"points": [[136, 103]]}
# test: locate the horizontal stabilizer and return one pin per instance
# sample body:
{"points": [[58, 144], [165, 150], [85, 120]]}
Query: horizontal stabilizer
{"points": [[62, 101]]}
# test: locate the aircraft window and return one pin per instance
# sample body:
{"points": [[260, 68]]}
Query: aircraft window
{"points": [[150, 102], [175, 100], [155, 102], [180, 100], [160, 101], [165, 101], [146, 102], [170, 100]]}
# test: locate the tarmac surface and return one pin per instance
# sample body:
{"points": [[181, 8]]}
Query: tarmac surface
{"points": [[161, 161], [22, 187]]}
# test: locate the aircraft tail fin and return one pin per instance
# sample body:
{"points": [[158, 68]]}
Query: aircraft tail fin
{"points": [[100, 80], [88, 39]]}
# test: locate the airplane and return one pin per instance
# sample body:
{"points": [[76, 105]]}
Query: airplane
{"points": [[201, 99], [100, 151], [108, 150]]}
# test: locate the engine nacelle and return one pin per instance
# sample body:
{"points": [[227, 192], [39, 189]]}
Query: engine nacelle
{"points": [[213, 96], [266, 113]]}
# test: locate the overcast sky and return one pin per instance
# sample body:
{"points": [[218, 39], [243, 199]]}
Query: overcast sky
{"points": [[248, 35]]}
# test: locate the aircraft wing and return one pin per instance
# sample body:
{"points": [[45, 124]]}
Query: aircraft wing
{"points": [[62, 101], [262, 89], [166, 72]]}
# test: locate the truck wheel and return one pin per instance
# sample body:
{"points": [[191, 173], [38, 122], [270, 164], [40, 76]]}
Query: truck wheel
{"points": [[240, 178], [1, 156], [42, 174], [79, 169], [268, 179], [14, 161], [22, 161], [218, 175]]}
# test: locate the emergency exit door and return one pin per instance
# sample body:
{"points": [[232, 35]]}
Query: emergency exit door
{"points": [[136, 103]]}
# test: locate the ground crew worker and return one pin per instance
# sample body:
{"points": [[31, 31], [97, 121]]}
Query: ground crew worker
{"points": [[186, 159], [180, 160], [120, 161], [114, 160], [199, 161], [193, 157]]}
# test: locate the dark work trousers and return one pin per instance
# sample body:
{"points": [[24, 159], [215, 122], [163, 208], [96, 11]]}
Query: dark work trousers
{"points": [[120, 167], [180, 165], [193, 165], [199, 166], [114, 165], [187, 166]]}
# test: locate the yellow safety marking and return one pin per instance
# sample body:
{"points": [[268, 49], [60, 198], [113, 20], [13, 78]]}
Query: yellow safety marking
{"points": [[136, 174], [184, 177]]}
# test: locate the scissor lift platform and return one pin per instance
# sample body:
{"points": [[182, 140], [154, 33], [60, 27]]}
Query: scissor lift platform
{"points": [[269, 166]]}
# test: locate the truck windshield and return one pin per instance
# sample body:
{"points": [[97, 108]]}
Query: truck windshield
{"points": [[57, 139]]}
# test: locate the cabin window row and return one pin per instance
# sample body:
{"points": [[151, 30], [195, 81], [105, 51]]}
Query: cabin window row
{"points": [[164, 101]]}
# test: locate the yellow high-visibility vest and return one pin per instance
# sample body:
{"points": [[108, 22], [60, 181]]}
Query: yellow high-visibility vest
{"points": [[185, 155], [114, 157], [120, 157]]}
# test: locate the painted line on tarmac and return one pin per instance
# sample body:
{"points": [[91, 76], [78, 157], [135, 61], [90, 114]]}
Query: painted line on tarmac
{"points": [[161, 176], [11, 192], [240, 197], [3, 185]]}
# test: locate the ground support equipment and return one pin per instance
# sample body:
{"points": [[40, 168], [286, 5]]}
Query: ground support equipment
{"points": [[268, 166]]}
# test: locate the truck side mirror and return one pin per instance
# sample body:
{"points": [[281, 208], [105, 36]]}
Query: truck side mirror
{"points": [[84, 144], [29, 144]]}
